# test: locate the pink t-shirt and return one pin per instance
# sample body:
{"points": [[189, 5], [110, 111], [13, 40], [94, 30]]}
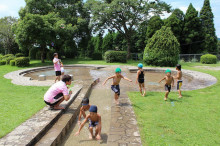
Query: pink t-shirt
{"points": [[59, 87], [56, 65]]}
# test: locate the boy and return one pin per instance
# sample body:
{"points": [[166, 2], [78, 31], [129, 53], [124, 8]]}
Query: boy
{"points": [[58, 92], [57, 68], [85, 107], [115, 84], [140, 79], [179, 79], [169, 80], [94, 122]]}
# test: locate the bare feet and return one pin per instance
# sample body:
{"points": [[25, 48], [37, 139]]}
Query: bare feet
{"points": [[58, 107], [180, 96], [90, 136], [98, 137], [165, 99]]}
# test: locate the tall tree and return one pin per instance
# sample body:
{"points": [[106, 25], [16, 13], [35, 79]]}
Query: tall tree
{"points": [[107, 42], [210, 38], [179, 13], [125, 16], [154, 24], [7, 37], [192, 33]]}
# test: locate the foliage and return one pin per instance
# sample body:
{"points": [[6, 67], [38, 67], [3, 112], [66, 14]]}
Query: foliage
{"points": [[123, 15], [192, 32], [208, 59], [97, 56], [22, 61], [32, 53], [12, 62], [2, 62], [50, 54], [19, 55], [210, 38], [8, 59], [162, 49], [154, 24], [115, 56], [7, 38], [108, 42]]}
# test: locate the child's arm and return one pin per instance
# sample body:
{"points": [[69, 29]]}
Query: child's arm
{"points": [[126, 78], [172, 81], [108, 79], [138, 73], [80, 114], [81, 126], [162, 79], [55, 62]]}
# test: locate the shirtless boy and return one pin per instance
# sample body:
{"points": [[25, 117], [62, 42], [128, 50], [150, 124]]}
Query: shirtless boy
{"points": [[85, 107], [179, 79]]}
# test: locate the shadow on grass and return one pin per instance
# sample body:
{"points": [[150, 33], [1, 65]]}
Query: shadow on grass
{"points": [[136, 106]]}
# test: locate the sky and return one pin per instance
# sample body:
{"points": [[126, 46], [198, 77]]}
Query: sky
{"points": [[11, 8]]}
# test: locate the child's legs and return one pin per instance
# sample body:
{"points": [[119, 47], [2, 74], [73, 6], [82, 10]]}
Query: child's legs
{"points": [[116, 96], [140, 87], [180, 92], [98, 132], [143, 86], [91, 132], [166, 94]]}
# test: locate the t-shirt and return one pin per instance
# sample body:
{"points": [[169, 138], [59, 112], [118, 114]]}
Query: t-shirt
{"points": [[56, 65], [59, 87]]}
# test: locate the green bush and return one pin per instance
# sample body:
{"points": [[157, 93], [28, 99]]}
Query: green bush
{"points": [[116, 56], [8, 55], [19, 55], [97, 56], [2, 62], [162, 49], [208, 59], [1, 56], [22, 61], [12, 62], [8, 59]]}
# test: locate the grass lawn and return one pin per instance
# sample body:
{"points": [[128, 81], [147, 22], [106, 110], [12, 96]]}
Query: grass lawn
{"points": [[192, 120], [18, 103]]}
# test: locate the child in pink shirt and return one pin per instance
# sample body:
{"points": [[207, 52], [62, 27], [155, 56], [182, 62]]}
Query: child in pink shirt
{"points": [[57, 68]]}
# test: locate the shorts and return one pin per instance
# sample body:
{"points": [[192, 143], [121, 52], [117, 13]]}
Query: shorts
{"points": [[167, 88], [179, 84], [58, 97], [141, 81], [58, 73], [116, 89], [93, 124]]}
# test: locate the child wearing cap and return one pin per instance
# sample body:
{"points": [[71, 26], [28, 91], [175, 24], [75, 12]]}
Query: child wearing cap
{"points": [[115, 84], [169, 80], [140, 79], [94, 122], [179, 79], [85, 107]]}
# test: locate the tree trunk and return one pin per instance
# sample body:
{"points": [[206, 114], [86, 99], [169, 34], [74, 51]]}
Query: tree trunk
{"points": [[128, 47], [42, 54]]}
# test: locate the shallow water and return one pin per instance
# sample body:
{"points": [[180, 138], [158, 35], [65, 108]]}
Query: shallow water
{"points": [[102, 99]]}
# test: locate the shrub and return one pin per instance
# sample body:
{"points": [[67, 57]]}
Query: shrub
{"points": [[208, 59], [162, 49], [97, 56], [8, 55], [22, 61], [8, 59], [2, 62], [116, 56], [12, 62], [1, 56], [19, 55]]}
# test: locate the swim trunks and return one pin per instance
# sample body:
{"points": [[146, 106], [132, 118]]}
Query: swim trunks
{"points": [[116, 89], [167, 87], [93, 124], [179, 84]]}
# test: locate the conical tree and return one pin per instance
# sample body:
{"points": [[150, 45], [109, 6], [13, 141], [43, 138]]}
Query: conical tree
{"points": [[192, 33], [162, 49], [210, 38]]}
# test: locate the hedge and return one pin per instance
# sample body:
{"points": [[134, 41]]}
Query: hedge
{"points": [[22, 61], [116, 56], [12, 62], [208, 59], [97, 56], [19, 55], [8, 59], [2, 62]]}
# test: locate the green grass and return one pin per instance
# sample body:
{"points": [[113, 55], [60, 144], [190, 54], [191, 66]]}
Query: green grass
{"points": [[19, 103], [192, 120]]}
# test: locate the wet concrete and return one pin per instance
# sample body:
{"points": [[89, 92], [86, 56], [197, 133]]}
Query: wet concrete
{"points": [[102, 99]]}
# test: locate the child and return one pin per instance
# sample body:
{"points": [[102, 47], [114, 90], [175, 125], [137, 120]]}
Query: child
{"points": [[169, 80], [85, 107], [140, 79], [62, 69], [57, 68], [94, 122], [179, 79], [115, 84]]}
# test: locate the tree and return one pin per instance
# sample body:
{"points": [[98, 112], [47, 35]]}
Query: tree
{"points": [[7, 38], [141, 37], [210, 38], [162, 49], [154, 24], [192, 33], [125, 16], [179, 13], [107, 42]]}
